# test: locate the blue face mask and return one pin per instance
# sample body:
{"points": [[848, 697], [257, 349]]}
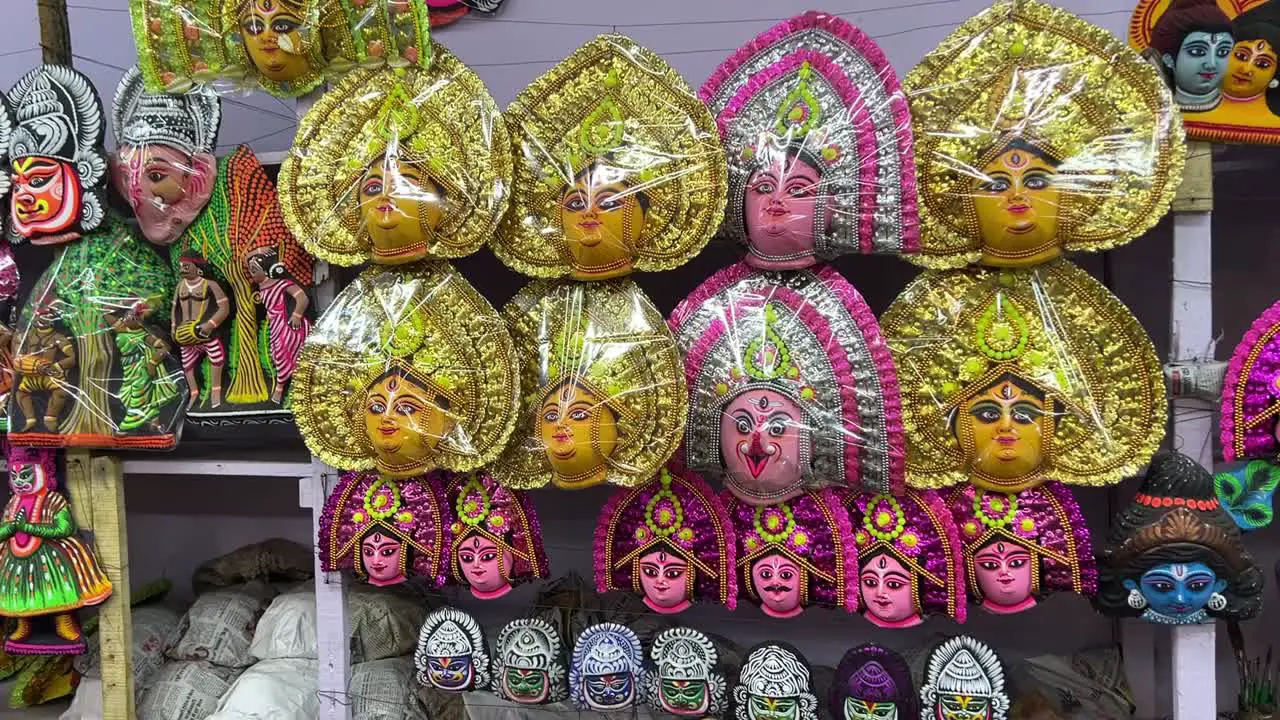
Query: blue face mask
{"points": [[450, 673], [606, 692], [1201, 62], [1178, 591]]}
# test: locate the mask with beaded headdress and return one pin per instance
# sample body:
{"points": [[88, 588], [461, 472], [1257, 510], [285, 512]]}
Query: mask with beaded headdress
{"points": [[394, 165], [496, 541], [408, 370], [618, 167], [669, 540], [604, 397], [818, 135], [1038, 132], [791, 385]]}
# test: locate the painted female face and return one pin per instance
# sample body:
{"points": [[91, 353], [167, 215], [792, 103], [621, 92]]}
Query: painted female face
{"points": [[1003, 571], [1017, 200], [1250, 69], [855, 709], [528, 687], [1201, 62], [46, 198], [1004, 422], [963, 707], [761, 432], [684, 697], [382, 557], [779, 211], [607, 692], [166, 188], [886, 592], [272, 35], [400, 208], [402, 422], [602, 220], [760, 707], [484, 565], [1178, 589], [663, 579], [776, 579], [451, 673], [579, 432]]}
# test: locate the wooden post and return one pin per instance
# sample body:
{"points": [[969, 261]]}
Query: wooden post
{"points": [[96, 485], [333, 625], [55, 31]]}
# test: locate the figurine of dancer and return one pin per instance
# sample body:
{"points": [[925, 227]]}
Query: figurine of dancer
{"points": [[286, 304], [200, 306]]}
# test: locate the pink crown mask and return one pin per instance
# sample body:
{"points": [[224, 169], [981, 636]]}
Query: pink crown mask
{"points": [[909, 557], [791, 385], [1020, 547], [669, 540], [496, 541], [818, 134]]}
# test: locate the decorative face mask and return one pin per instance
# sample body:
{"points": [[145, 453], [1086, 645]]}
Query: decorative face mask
{"points": [[606, 670], [528, 664], [684, 677], [604, 400], [1012, 377], [1191, 42], [452, 655], [1174, 556], [910, 565], [792, 386], [796, 553], [496, 539], [57, 166], [873, 683], [964, 680], [670, 541], [385, 530], [774, 684], [635, 183], [818, 135], [407, 370], [1063, 109], [398, 166]]}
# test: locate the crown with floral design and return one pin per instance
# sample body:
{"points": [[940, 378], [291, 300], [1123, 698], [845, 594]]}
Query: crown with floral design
{"points": [[507, 517], [767, 359]]}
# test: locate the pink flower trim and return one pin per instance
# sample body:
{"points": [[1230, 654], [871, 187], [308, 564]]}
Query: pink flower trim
{"points": [[1254, 445]]}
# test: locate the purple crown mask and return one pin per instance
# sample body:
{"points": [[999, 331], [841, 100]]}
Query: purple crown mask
{"points": [[487, 518], [1251, 392], [871, 674]]}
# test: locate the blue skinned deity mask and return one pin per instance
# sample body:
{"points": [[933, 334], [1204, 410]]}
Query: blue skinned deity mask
{"points": [[1177, 593], [451, 673], [1201, 63], [607, 692]]}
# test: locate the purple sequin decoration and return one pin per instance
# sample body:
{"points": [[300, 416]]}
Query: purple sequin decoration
{"points": [[1251, 389], [8, 275], [505, 516], [704, 536], [345, 521], [828, 545], [874, 673], [1047, 521]]}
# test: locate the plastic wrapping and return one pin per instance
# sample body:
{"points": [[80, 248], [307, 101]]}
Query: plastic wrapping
{"points": [[56, 158], [284, 47], [1219, 59], [966, 676], [872, 680], [606, 670], [774, 681], [397, 165], [819, 143], [684, 676], [495, 541], [1038, 132], [604, 398], [408, 370], [92, 365], [452, 653], [618, 167], [791, 385], [1014, 377]]}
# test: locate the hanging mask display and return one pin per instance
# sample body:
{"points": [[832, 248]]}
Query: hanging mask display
{"points": [[1174, 556], [604, 399], [385, 530], [684, 675], [670, 541], [9, 279], [163, 164], [774, 684], [796, 553], [57, 166], [529, 663], [393, 166], [909, 557], [409, 370], [791, 385], [1020, 547], [1251, 395], [964, 680], [47, 572], [618, 167], [819, 144], [496, 541], [606, 671], [873, 682], [452, 654]]}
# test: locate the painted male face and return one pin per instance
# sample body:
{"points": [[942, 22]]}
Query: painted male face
{"points": [[777, 582], [1178, 590], [1201, 62], [963, 707], [684, 697], [855, 709], [451, 673], [610, 691], [761, 434], [760, 707], [46, 199], [526, 686]]}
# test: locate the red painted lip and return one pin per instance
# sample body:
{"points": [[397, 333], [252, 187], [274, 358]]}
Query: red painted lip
{"points": [[1240, 78], [1019, 209], [386, 207], [562, 437], [387, 431], [776, 210], [590, 224], [1006, 441], [1208, 75]]}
